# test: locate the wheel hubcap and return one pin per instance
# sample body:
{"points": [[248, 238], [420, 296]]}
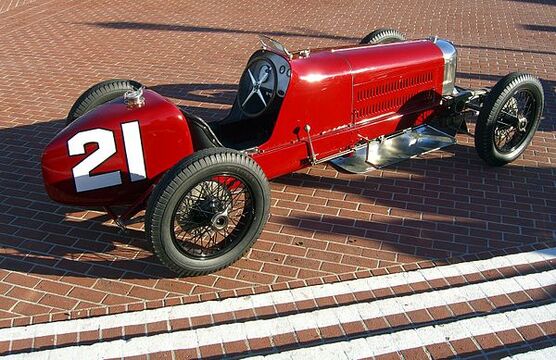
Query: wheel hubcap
{"points": [[522, 123], [220, 221]]}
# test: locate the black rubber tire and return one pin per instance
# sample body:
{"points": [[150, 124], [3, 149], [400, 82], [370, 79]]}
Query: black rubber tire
{"points": [[99, 94], [490, 111], [180, 179], [383, 36]]}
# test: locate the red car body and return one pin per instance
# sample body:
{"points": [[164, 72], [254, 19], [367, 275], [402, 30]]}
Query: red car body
{"points": [[205, 187], [345, 96]]}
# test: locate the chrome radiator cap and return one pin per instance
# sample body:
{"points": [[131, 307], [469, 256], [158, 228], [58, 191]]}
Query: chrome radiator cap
{"points": [[134, 98]]}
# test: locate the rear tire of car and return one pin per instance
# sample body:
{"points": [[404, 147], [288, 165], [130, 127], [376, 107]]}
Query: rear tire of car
{"points": [[500, 112], [194, 193], [99, 94], [383, 36]]}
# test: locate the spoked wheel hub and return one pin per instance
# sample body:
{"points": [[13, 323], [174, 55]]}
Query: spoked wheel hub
{"points": [[513, 123], [220, 221], [211, 215], [208, 210], [522, 123]]}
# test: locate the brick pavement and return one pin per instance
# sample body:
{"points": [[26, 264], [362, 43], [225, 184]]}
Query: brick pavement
{"points": [[488, 308], [58, 262], [6, 5]]}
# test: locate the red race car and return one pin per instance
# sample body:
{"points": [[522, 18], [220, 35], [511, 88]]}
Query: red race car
{"points": [[205, 185]]}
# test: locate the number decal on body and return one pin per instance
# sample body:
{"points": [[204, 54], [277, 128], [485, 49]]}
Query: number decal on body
{"points": [[82, 177], [134, 151], [106, 148]]}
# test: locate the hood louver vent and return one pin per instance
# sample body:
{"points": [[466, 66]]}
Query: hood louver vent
{"points": [[401, 95]]}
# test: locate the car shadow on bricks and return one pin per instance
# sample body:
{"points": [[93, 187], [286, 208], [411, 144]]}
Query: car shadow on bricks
{"points": [[221, 94], [216, 99], [530, 51], [40, 236], [542, 2], [445, 204], [541, 28], [130, 25]]}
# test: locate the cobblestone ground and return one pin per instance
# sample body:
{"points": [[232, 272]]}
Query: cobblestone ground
{"points": [[58, 262]]}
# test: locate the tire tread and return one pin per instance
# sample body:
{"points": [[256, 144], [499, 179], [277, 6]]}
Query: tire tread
{"points": [[379, 35], [99, 94]]}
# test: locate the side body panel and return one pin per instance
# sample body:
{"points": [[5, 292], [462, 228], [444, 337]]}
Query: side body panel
{"points": [[401, 79], [350, 95], [92, 162], [319, 95]]}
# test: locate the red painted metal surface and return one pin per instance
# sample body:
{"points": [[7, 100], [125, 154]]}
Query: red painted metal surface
{"points": [[350, 94], [164, 137]]}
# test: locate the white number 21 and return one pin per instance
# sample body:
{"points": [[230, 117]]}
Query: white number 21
{"points": [[84, 181]]}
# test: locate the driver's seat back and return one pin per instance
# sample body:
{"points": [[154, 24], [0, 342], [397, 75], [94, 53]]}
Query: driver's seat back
{"points": [[201, 134]]}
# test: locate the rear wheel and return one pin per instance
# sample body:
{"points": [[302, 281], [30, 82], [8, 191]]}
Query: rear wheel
{"points": [[99, 94], [508, 119], [207, 211], [383, 36]]}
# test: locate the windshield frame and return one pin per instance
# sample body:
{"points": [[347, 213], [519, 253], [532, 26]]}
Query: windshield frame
{"points": [[269, 44]]}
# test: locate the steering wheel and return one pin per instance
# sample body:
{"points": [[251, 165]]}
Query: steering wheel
{"points": [[257, 87]]}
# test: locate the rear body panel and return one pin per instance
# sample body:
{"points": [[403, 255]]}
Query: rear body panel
{"points": [[157, 137]]}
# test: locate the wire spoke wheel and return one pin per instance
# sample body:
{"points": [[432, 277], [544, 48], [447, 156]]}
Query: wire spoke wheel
{"points": [[509, 118], [207, 211], [212, 215], [514, 121]]}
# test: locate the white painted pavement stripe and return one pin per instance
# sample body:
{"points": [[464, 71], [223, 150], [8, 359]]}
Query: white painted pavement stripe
{"points": [[277, 297], [373, 345], [429, 335], [548, 353], [332, 316]]}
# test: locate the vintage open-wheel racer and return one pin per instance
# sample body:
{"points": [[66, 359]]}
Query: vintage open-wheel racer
{"points": [[205, 185]]}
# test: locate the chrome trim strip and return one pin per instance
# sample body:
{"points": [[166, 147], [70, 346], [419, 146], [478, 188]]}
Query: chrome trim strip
{"points": [[450, 55]]}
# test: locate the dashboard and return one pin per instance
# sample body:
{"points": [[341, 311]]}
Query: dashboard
{"points": [[264, 80]]}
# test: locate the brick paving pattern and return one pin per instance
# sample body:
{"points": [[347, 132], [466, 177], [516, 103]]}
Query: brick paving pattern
{"points": [[488, 308], [58, 262], [6, 5]]}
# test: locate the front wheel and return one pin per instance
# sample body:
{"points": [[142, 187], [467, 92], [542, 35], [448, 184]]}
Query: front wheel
{"points": [[383, 36], [207, 211], [508, 119]]}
